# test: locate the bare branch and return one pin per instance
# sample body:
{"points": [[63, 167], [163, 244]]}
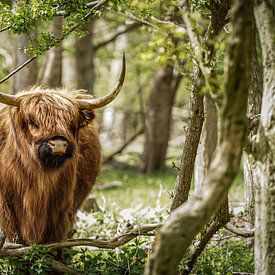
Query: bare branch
{"points": [[5, 28], [116, 35], [18, 69], [237, 231], [13, 249]]}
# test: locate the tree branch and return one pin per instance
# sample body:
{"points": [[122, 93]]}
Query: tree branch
{"points": [[97, 6], [233, 229], [61, 267], [116, 35], [10, 249], [129, 141]]}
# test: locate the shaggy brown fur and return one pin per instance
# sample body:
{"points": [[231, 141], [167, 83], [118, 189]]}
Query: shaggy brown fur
{"points": [[38, 205]]}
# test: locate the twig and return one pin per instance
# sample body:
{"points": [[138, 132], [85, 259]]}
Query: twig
{"points": [[5, 28], [114, 37], [10, 250], [18, 69], [233, 229]]}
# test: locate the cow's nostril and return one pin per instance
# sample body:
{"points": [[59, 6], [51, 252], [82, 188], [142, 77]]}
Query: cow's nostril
{"points": [[58, 146]]}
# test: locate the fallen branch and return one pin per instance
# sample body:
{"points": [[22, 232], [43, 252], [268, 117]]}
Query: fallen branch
{"points": [[16, 250], [61, 267], [243, 233]]}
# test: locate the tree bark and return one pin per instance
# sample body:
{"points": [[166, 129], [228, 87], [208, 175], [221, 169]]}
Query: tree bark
{"points": [[157, 122], [253, 111], [265, 149], [183, 183], [186, 221], [208, 142], [84, 61], [52, 75]]}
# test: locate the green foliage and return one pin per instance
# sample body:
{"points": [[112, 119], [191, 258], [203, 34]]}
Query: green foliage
{"points": [[24, 18], [36, 261], [225, 257], [128, 259]]}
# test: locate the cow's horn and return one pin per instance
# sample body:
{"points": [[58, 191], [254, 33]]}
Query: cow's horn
{"points": [[89, 104], [9, 99]]}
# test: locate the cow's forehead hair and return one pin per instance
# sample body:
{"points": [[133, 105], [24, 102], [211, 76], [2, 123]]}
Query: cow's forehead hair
{"points": [[47, 102]]}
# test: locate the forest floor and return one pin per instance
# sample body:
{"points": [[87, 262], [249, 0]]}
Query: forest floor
{"points": [[126, 197], [131, 188]]}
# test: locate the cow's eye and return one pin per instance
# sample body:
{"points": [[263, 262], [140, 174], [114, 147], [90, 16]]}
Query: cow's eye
{"points": [[33, 124], [73, 128]]}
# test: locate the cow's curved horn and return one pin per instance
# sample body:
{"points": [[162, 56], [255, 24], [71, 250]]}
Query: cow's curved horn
{"points": [[7, 99], [94, 103]]}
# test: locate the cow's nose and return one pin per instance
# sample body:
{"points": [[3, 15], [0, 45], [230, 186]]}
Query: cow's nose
{"points": [[58, 146]]}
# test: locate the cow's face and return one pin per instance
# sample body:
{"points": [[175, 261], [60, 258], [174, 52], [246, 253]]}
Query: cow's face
{"points": [[49, 124]]}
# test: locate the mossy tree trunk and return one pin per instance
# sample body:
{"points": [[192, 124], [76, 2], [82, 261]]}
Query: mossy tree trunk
{"points": [[265, 149], [186, 221], [253, 111]]}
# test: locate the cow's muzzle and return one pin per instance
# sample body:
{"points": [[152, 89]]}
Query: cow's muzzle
{"points": [[55, 151]]}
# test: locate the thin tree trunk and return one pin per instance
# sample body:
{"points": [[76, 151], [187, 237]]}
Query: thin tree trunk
{"points": [[183, 183], [265, 149], [157, 122], [52, 75], [186, 221], [84, 61]]}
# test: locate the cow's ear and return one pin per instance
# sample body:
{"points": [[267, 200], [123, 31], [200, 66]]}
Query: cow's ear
{"points": [[85, 117]]}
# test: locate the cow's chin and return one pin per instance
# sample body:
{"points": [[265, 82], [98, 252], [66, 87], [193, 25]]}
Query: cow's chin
{"points": [[53, 161]]}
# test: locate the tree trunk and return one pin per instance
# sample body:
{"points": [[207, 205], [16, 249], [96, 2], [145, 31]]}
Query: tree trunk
{"points": [[186, 221], [265, 164], [26, 77], [208, 142], [157, 122], [219, 12], [52, 75], [84, 61], [253, 111]]}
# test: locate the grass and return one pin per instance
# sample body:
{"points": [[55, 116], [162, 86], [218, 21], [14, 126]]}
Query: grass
{"points": [[136, 189], [139, 190]]}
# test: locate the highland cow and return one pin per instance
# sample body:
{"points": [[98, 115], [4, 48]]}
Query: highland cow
{"points": [[49, 160]]}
